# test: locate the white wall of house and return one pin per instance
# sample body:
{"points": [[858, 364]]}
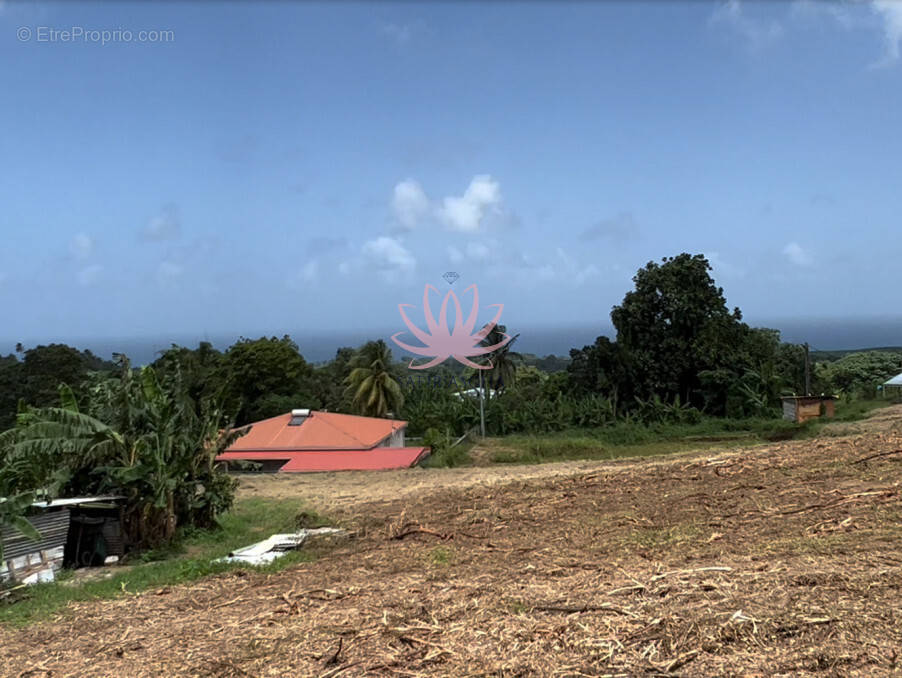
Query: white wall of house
{"points": [[396, 439]]}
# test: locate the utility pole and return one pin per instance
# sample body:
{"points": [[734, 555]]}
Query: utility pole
{"points": [[807, 370], [481, 406]]}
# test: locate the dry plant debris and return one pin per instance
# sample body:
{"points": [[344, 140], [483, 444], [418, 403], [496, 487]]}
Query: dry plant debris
{"points": [[780, 560]]}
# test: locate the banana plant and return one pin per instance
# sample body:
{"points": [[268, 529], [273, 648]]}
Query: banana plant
{"points": [[12, 515], [145, 440]]}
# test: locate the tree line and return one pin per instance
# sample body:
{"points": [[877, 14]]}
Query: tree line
{"points": [[676, 343], [78, 424]]}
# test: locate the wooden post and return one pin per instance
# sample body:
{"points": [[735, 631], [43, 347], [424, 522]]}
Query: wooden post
{"points": [[481, 405]]}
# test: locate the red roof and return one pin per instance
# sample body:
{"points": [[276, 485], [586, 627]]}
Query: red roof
{"points": [[375, 459], [319, 431], [324, 441]]}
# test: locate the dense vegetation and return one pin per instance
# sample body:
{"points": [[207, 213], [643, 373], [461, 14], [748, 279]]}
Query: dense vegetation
{"points": [[136, 435], [680, 355]]}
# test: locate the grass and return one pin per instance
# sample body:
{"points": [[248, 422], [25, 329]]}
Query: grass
{"points": [[441, 556], [853, 410], [664, 537], [249, 521], [623, 439], [449, 457]]}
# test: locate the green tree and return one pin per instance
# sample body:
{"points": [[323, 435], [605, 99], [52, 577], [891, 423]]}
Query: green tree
{"points": [[200, 370], [601, 368], [371, 385], [503, 361], [264, 376], [674, 325], [790, 366], [44, 368], [10, 389], [330, 380], [859, 374]]}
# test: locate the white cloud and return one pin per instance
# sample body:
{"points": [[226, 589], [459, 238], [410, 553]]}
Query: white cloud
{"points": [[82, 246], [400, 33], [797, 255], [620, 228], [466, 213], [757, 34], [545, 272], [168, 272], [455, 255], [389, 256], [883, 14], [722, 267], [164, 226], [305, 277], [477, 251], [89, 275], [816, 8], [560, 268], [571, 271], [310, 271], [409, 203], [890, 13]]}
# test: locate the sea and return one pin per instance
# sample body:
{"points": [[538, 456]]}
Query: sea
{"points": [[822, 334]]}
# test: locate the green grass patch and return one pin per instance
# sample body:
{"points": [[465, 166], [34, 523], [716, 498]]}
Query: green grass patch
{"points": [[441, 555], [628, 439], [449, 457], [622, 440], [853, 410], [661, 537], [192, 558]]}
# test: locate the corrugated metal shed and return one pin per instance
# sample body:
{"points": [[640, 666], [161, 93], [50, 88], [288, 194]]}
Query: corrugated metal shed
{"points": [[53, 526], [895, 381], [73, 501], [31, 561]]}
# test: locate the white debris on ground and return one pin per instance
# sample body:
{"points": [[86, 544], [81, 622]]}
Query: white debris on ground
{"points": [[276, 546]]}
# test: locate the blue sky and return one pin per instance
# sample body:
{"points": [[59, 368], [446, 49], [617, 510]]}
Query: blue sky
{"points": [[275, 167]]}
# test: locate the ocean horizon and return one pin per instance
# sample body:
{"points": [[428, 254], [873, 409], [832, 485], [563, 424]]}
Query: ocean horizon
{"points": [[820, 334]]}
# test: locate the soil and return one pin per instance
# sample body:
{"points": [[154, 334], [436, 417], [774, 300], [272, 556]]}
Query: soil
{"points": [[783, 559]]}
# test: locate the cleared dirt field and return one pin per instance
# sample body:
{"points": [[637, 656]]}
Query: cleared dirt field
{"points": [[778, 560]]}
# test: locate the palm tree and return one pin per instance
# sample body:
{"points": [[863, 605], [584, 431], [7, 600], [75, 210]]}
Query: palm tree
{"points": [[373, 389], [503, 360]]}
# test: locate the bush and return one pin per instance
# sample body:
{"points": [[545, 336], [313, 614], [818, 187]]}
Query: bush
{"points": [[443, 454]]}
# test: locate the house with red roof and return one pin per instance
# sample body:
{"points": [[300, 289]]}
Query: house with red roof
{"points": [[310, 440]]}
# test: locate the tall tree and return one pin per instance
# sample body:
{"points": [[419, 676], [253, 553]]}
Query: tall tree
{"points": [[372, 387], [503, 361], [44, 368], [601, 368], [266, 377], [330, 379], [10, 389], [674, 325], [200, 369]]}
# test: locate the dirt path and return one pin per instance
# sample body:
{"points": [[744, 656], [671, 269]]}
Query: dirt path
{"points": [[781, 560], [345, 490]]}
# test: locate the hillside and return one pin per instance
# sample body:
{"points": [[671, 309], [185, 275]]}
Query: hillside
{"points": [[780, 559]]}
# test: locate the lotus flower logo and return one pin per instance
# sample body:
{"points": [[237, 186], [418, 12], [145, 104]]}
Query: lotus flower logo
{"points": [[440, 343]]}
